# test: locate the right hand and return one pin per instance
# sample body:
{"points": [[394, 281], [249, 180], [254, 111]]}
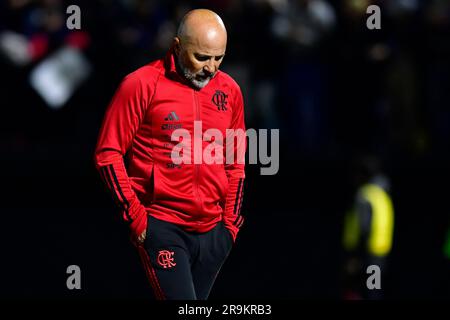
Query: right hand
{"points": [[142, 237], [138, 229]]}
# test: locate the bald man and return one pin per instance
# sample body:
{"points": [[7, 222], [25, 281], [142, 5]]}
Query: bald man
{"points": [[169, 119]]}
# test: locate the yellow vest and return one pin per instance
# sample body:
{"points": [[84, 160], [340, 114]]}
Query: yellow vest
{"points": [[381, 226]]}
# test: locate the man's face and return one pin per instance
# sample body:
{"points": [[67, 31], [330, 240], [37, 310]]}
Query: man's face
{"points": [[199, 61]]}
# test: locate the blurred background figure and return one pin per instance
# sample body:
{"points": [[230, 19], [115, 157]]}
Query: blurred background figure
{"points": [[368, 230]]}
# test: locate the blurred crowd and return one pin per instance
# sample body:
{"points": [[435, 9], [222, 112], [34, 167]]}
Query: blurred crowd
{"points": [[311, 67]]}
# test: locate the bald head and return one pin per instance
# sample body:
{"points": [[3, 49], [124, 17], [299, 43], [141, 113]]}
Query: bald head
{"points": [[202, 25], [200, 45]]}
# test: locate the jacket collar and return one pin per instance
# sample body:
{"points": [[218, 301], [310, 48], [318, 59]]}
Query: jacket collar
{"points": [[171, 67]]}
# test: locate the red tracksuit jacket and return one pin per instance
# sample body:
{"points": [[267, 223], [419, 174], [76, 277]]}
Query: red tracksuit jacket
{"points": [[149, 104]]}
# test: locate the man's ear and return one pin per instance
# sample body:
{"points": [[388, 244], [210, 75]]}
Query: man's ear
{"points": [[176, 45]]}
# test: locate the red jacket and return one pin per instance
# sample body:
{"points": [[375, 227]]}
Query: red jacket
{"points": [[147, 107]]}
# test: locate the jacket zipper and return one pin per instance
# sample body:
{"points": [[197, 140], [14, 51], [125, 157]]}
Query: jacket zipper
{"points": [[196, 165]]}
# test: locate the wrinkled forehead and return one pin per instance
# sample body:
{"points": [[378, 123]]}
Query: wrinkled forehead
{"points": [[211, 41]]}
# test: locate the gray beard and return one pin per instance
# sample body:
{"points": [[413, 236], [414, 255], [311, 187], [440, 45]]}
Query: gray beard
{"points": [[199, 84]]}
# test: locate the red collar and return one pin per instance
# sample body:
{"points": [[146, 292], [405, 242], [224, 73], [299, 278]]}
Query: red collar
{"points": [[171, 69]]}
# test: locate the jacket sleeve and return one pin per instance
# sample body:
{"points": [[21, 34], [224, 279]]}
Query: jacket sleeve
{"points": [[236, 169], [120, 124]]}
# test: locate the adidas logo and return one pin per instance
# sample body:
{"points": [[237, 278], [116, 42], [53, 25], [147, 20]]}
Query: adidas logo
{"points": [[172, 117]]}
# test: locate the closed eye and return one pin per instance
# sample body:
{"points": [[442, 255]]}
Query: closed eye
{"points": [[202, 58]]}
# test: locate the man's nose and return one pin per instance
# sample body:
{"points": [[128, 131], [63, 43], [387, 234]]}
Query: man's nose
{"points": [[210, 66]]}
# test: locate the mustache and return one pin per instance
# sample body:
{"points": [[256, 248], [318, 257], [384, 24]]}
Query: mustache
{"points": [[205, 75]]}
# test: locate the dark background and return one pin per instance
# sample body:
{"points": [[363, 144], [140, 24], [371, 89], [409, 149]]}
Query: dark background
{"points": [[335, 89]]}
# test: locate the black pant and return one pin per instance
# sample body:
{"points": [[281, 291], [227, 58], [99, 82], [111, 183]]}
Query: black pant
{"points": [[183, 265]]}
